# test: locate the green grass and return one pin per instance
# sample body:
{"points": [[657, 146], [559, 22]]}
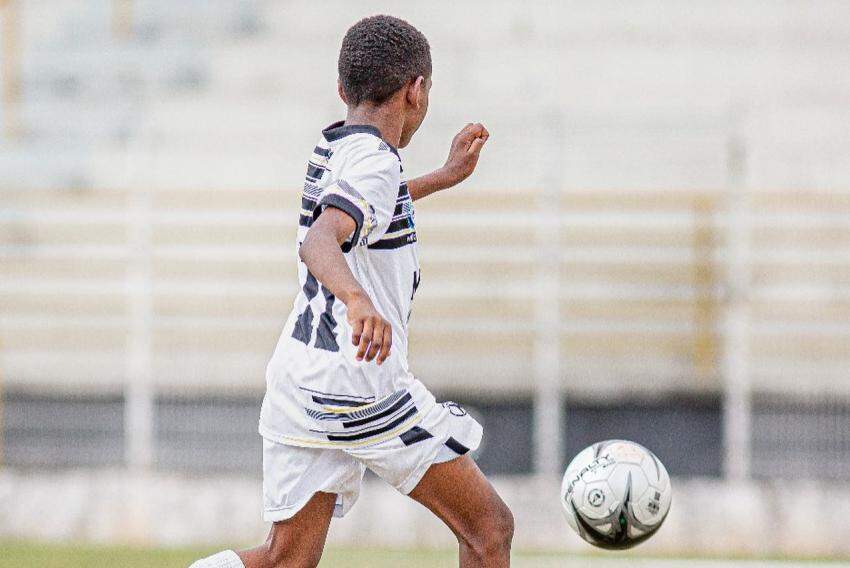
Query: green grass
{"points": [[36, 555], [29, 555], [25, 555]]}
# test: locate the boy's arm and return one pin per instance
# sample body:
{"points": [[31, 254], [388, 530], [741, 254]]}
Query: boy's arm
{"points": [[322, 254], [463, 157]]}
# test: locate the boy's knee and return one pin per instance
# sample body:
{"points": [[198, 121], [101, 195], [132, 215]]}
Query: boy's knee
{"points": [[503, 526], [494, 535]]}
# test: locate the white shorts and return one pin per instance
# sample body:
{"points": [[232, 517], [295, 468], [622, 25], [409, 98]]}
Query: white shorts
{"points": [[292, 475]]}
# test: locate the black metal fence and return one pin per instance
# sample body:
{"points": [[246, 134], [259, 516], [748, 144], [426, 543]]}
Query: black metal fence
{"points": [[791, 437]]}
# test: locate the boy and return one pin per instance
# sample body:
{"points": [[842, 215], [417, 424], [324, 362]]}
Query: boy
{"points": [[339, 394]]}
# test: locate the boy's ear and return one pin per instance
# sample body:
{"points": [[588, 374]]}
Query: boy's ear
{"points": [[415, 92], [341, 92]]}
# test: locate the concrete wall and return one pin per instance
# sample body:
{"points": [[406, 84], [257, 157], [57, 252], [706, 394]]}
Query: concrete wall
{"points": [[707, 517]]}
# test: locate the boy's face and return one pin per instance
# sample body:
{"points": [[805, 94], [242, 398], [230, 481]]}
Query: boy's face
{"points": [[416, 109]]}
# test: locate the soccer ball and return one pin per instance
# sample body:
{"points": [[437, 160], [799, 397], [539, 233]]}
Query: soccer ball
{"points": [[616, 494]]}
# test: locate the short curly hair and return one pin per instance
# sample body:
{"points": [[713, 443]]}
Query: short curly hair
{"points": [[379, 55]]}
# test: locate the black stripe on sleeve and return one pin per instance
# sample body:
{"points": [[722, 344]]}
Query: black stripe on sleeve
{"points": [[338, 201]]}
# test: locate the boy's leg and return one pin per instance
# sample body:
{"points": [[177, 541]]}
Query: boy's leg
{"points": [[297, 542], [459, 494], [294, 543], [302, 489]]}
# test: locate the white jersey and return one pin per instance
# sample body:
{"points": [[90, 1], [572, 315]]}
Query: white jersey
{"points": [[317, 393]]}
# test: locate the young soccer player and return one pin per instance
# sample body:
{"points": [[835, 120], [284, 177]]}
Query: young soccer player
{"points": [[340, 397]]}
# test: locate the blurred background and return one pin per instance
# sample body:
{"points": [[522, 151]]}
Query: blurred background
{"points": [[656, 246]]}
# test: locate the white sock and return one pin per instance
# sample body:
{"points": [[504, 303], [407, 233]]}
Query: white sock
{"points": [[226, 559]]}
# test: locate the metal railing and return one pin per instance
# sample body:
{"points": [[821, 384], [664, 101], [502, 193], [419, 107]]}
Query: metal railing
{"points": [[647, 292]]}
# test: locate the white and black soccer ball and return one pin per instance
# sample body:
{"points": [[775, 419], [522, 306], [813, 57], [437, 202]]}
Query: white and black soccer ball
{"points": [[616, 494]]}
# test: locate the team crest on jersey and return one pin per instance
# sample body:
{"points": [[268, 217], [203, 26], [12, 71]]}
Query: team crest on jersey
{"points": [[369, 223]]}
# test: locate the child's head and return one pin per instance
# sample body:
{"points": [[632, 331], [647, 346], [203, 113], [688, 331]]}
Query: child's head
{"points": [[385, 60]]}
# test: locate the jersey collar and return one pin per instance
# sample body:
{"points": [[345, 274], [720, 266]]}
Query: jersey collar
{"points": [[339, 130]]}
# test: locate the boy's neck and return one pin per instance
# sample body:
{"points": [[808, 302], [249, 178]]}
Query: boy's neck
{"points": [[385, 118]]}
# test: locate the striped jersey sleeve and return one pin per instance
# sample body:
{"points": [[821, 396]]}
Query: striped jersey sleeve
{"points": [[366, 189]]}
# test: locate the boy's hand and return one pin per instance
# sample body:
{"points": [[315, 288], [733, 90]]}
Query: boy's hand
{"points": [[372, 334], [463, 155]]}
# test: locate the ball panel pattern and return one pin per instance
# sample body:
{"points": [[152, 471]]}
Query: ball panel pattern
{"points": [[615, 494]]}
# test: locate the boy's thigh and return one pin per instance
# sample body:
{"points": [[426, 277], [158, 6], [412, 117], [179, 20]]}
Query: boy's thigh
{"points": [[298, 540], [462, 497], [293, 475]]}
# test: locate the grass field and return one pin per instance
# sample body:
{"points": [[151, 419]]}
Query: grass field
{"points": [[27, 555]]}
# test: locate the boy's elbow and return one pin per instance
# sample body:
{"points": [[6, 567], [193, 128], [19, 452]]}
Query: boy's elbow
{"points": [[306, 246], [324, 235], [304, 249]]}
